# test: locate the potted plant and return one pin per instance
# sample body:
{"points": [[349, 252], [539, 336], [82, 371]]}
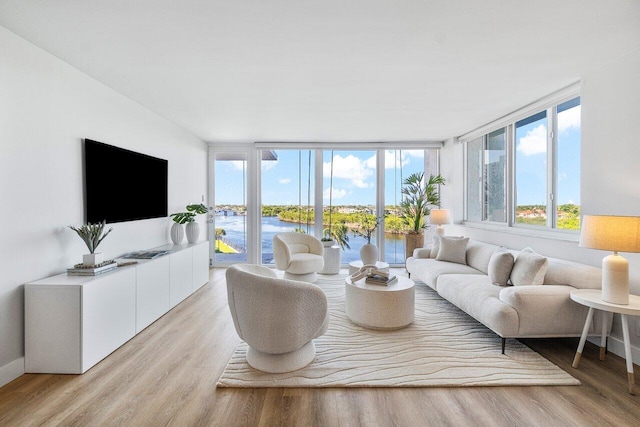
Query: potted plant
{"points": [[336, 234], [189, 218], [366, 228], [418, 197], [92, 235]]}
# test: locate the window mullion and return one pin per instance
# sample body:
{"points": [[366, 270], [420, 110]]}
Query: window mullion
{"points": [[551, 167]]}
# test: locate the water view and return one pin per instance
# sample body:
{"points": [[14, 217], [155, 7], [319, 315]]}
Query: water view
{"points": [[235, 236]]}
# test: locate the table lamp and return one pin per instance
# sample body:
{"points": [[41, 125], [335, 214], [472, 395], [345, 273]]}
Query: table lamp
{"points": [[439, 217], [617, 234]]}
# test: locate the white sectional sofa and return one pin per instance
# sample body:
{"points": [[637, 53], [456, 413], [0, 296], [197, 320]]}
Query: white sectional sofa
{"points": [[525, 311]]}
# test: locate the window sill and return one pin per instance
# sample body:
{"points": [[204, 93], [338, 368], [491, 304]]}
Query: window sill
{"points": [[558, 235]]}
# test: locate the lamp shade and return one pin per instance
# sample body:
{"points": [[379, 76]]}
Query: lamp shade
{"points": [[439, 216], [610, 232]]}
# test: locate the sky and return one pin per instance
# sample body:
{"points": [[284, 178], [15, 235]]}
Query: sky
{"points": [[531, 160], [354, 177], [354, 172]]}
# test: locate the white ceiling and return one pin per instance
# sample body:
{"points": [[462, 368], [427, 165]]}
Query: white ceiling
{"points": [[330, 70]]}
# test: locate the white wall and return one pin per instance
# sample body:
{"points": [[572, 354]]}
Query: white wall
{"points": [[610, 177], [46, 108]]}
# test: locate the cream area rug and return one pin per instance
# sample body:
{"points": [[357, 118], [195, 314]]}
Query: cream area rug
{"points": [[443, 347]]}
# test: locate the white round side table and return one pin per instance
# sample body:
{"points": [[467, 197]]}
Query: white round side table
{"points": [[355, 266], [380, 307], [592, 298], [331, 257]]}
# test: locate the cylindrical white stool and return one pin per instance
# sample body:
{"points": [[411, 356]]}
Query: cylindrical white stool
{"points": [[331, 260]]}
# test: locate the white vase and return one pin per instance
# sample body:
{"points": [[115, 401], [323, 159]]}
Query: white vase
{"points": [[327, 243], [92, 259], [193, 232], [369, 254], [177, 233]]}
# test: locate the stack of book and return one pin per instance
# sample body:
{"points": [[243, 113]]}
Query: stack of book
{"points": [[80, 270], [380, 279]]}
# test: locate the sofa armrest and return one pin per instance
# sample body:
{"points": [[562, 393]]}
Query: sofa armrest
{"points": [[547, 310], [422, 252]]}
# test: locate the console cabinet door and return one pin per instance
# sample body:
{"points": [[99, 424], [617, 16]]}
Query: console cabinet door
{"points": [[152, 291], [181, 275], [200, 265], [108, 315]]}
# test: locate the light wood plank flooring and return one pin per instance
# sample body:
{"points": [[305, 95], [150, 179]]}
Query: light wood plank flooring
{"points": [[167, 376]]}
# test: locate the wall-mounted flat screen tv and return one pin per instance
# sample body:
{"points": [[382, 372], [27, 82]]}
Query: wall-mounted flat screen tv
{"points": [[122, 185]]}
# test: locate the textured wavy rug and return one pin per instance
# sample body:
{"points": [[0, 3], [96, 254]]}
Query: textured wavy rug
{"points": [[444, 347]]}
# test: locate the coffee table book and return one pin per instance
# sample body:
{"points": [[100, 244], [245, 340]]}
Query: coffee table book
{"points": [[92, 271], [380, 280]]}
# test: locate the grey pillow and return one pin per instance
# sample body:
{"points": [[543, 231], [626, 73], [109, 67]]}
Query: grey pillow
{"points": [[453, 249], [529, 268], [435, 246], [500, 266]]}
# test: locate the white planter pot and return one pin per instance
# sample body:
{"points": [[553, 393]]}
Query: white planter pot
{"points": [[193, 232], [92, 259], [177, 233], [327, 243], [369, 254]]}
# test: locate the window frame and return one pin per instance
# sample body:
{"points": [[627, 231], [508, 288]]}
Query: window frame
{"points": [[549, 105]]}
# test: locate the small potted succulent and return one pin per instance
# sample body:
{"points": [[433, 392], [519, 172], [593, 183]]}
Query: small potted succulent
{"points": [[189, 218], [92, 235]]}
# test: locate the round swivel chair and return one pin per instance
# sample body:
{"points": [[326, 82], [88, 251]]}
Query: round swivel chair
{"points": [[277, 318]]}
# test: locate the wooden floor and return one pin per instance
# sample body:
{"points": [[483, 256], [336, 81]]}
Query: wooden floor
{"points": [[167, 375]]}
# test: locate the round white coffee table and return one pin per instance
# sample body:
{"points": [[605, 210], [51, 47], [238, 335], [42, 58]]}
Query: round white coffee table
{"points": [[354, 266], [380, 307]]}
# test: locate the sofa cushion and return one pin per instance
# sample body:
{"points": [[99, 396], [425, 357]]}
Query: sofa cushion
{"points": [[453, 250], [479, 254], [529, 268], [428, 270], [500, 266], [476, 296]]}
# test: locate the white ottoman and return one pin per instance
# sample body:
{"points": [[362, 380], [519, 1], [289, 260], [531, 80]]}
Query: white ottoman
{"points": [[380, 307]]}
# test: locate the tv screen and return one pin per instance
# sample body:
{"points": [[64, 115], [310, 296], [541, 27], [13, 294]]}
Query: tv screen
{"points": [[122, 185]]}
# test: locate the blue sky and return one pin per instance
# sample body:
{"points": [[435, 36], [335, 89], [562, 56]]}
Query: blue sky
{"points": [[531, 160], [354, 177]]}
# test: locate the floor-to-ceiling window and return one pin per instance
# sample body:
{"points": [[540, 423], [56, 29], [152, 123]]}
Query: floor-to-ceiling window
{"points": [[312, 189], [287, 194], [230, 219]]}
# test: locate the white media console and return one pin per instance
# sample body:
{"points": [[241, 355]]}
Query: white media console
{"points": [[73, 322]]}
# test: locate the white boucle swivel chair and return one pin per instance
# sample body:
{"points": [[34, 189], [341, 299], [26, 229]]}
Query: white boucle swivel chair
{"points": [[277, 318], [299, 255]]}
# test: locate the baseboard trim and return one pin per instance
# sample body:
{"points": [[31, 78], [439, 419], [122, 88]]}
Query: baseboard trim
{"points": [[11, 371], [616, 346]]}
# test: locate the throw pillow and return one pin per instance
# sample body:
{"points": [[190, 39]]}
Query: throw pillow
{"points": [[453, 250], [500, 266], [529, 268], [435, 246]]}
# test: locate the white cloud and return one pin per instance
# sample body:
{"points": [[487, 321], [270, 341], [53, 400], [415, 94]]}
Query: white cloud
{"points": [[238, 164], [350, 168], [534, 142], [338, 193], [268, 165], [562, 176], [284, 180], [569, 119]]}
